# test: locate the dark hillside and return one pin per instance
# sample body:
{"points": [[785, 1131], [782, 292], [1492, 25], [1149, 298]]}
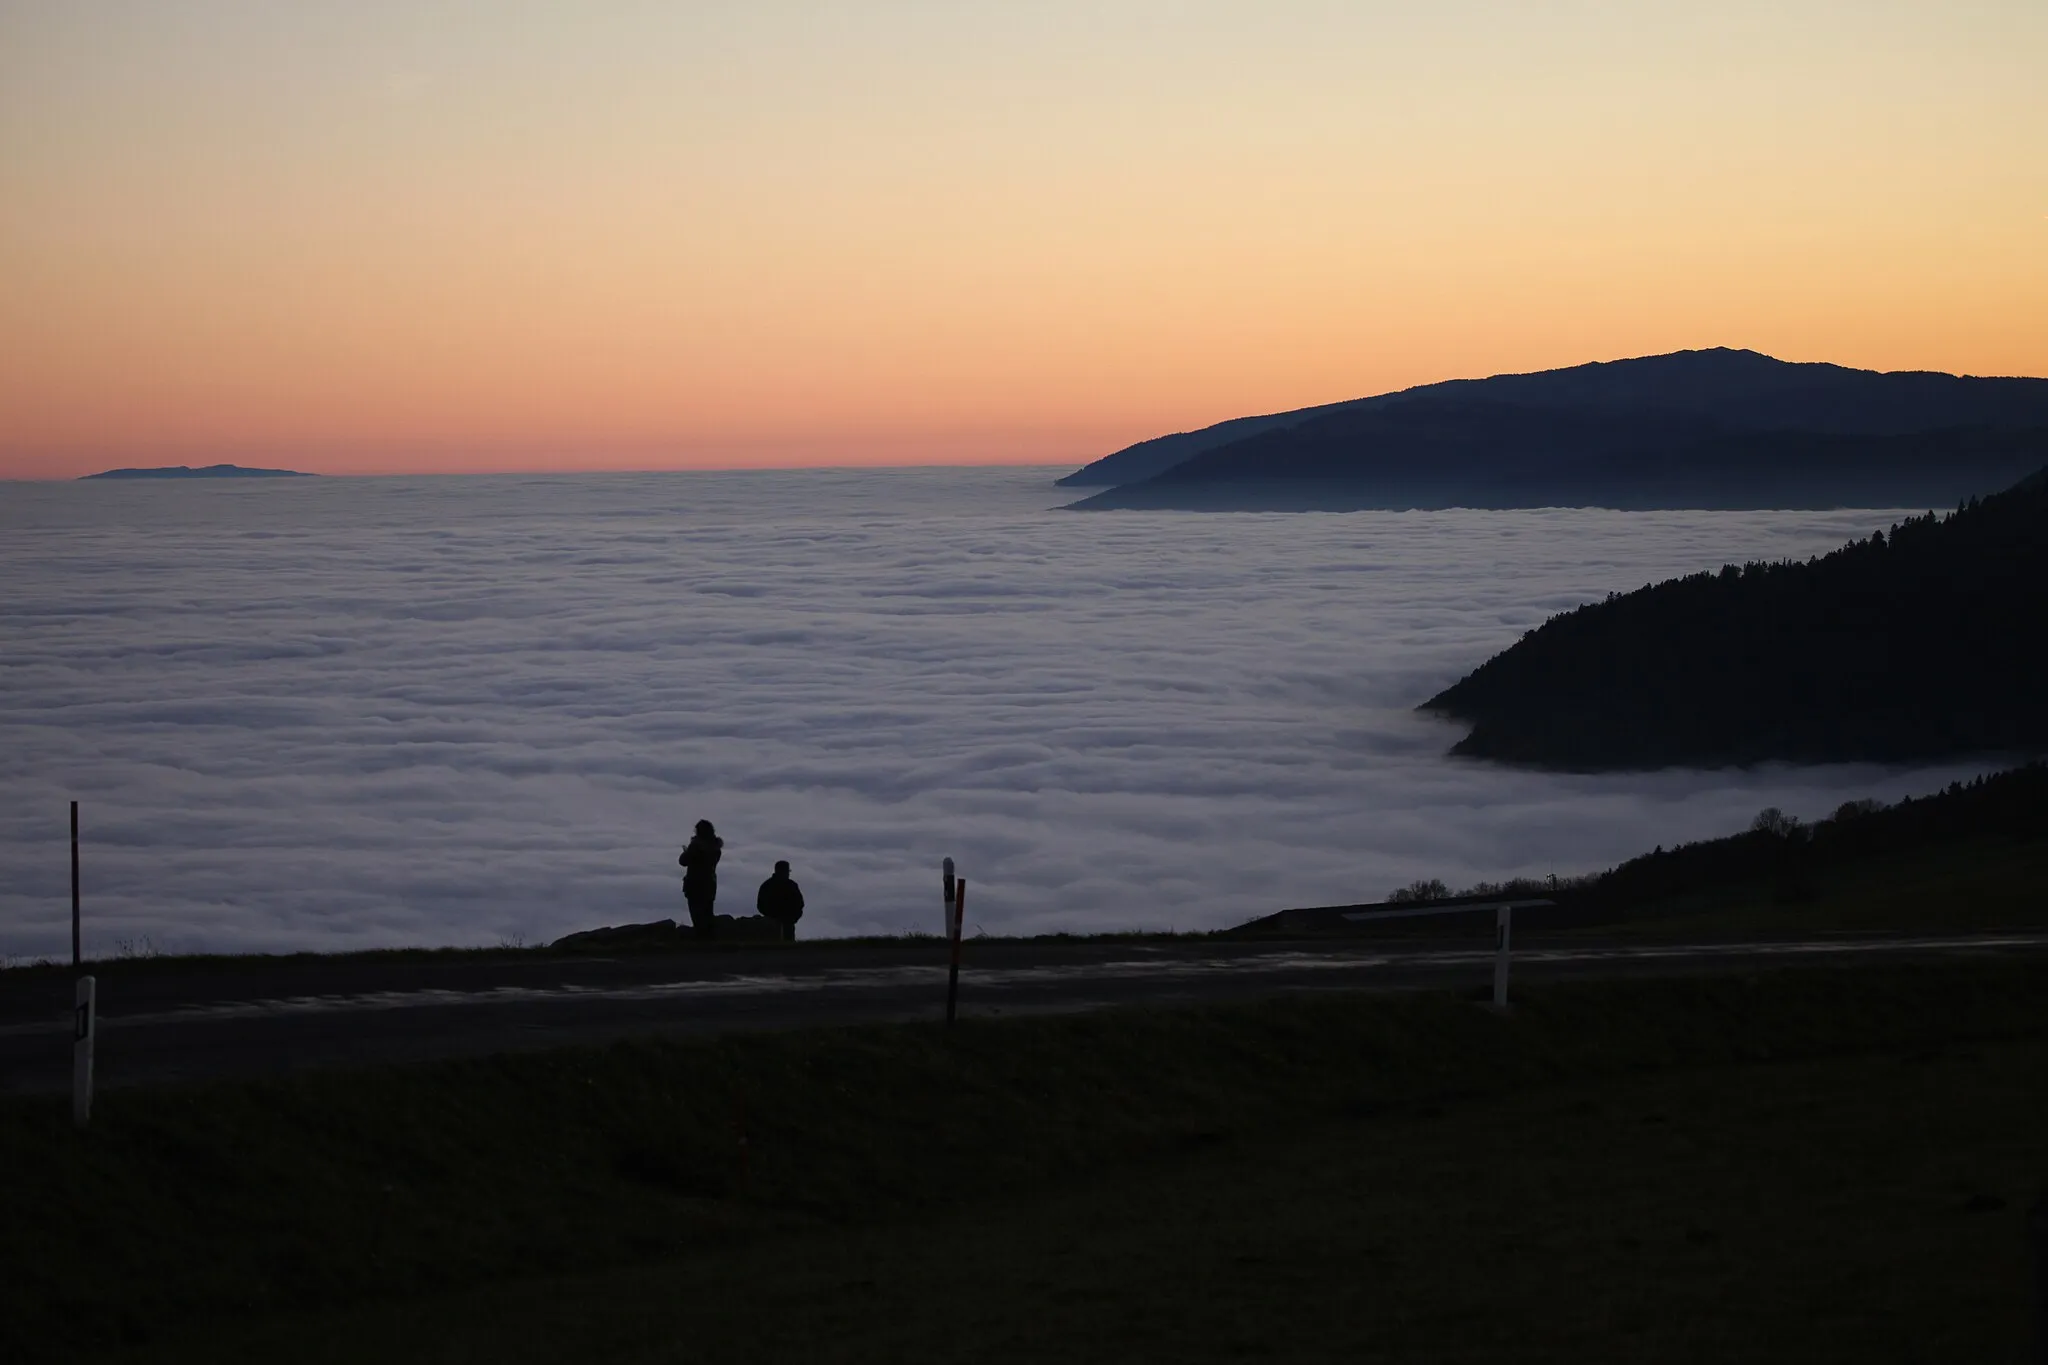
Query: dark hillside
{"points": [[2009, 808], [1740, 390], [1967, 858], [1922, 645], [1442, 452], [1146, 458], [211, 471]]}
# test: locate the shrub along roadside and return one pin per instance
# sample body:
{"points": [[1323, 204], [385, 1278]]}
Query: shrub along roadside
{"points": [[334, 1187]]}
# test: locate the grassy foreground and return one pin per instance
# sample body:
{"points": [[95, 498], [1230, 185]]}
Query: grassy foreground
{"points": [[1709, 1168], [1857, 1209]]}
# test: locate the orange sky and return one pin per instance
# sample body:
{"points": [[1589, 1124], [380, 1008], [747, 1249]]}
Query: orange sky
{"points": [[418, 237]]}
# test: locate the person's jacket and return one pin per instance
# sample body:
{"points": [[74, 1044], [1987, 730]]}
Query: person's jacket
{"points": [[700, 863], [780, 899]]}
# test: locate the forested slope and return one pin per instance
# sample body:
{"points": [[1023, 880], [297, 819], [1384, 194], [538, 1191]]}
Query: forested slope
{"points": [[1922, 644]]}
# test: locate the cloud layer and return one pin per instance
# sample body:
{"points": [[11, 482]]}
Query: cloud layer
{"points": [[354, 713]]}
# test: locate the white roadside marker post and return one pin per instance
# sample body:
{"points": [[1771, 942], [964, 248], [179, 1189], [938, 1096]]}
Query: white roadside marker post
{"points": [[1500, 956], [84, 1029]]}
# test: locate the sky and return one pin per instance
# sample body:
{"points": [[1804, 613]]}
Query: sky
{"points": [[417, 237]]}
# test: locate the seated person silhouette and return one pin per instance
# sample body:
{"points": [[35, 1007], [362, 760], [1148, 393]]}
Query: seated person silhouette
{"points": [[781, 900]]}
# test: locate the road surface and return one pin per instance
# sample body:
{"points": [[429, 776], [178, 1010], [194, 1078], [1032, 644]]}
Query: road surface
{"points": [[170, 1021]]}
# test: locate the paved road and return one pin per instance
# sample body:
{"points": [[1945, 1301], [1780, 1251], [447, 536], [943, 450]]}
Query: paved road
{"points": [[164, 1022]]}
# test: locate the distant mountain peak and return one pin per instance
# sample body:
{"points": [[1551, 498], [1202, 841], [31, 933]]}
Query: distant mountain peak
{"points": [[211, 471], [1728, 388]]}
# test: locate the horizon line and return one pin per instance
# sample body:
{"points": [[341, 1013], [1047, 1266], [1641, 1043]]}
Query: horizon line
{"points": [[559, 473]]}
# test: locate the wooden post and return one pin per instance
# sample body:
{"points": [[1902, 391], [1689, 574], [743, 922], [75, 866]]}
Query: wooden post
{"points": [[947, 866], [1501, 926], [953, 974], [74, 886], [85, 1026]]}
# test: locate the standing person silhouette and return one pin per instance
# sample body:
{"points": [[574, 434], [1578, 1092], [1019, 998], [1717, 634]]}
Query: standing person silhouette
{"points": [[781, 900], [699, 862]]}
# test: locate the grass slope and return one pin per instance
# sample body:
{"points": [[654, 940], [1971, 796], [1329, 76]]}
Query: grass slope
{"points": [[1970, 858], [1863, 1209]]}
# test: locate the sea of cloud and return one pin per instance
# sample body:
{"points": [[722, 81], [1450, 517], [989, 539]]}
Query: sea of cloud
{"points": [[344, 713]]}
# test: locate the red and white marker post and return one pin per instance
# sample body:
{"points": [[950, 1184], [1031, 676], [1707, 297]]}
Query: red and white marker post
{"points": [[956, 913], [947, 869]]}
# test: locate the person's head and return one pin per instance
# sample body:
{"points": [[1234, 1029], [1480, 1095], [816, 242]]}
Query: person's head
{"points": [[704, 830], [782, 867]]}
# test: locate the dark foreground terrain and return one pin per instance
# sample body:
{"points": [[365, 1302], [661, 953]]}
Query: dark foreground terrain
{"points": [[1776, 1096], [1794, 1164]]}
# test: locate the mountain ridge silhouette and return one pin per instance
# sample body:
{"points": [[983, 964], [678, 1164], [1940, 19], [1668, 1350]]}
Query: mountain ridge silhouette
{"points": [[210, 471], [1660, 404]]}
